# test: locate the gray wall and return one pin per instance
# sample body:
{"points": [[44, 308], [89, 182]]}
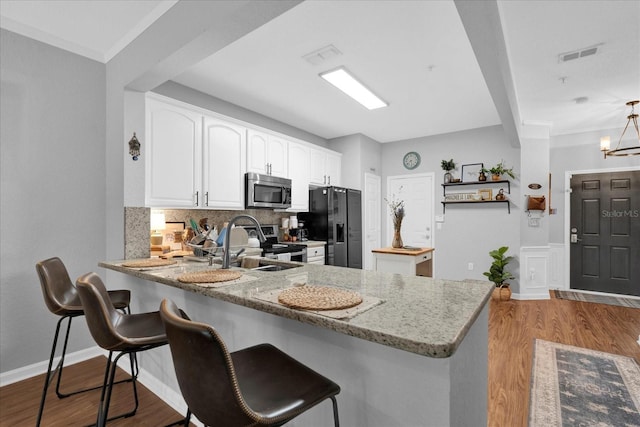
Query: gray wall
{"points": [[360, 155], [580, 152], [469, 232], [53, 186]]}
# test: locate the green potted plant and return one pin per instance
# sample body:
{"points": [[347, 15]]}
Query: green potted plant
{"points": [[447, 166], [500, 169], [497, 273]]}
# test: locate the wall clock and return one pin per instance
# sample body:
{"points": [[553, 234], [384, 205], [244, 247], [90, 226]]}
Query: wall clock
{"points": [[411, 160]]}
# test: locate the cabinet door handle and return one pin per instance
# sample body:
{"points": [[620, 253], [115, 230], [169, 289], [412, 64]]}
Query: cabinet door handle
{"points": [[197, 198], [206, 198], [325, 179], [329, 180]]}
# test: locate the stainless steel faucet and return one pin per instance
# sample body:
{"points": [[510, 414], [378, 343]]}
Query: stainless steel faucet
{"points": [[226, 255]]}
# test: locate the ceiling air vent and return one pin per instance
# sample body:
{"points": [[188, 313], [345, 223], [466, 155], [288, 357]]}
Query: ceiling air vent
{"points": [[319, 56], [580, 53]]}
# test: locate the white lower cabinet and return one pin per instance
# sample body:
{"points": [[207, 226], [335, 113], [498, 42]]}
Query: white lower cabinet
{"points": [[315, 255], [409, 263], [224, 151]]}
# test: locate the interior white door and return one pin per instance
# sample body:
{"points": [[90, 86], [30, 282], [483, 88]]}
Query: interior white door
{"points": [[417, 193], [371, 213]]}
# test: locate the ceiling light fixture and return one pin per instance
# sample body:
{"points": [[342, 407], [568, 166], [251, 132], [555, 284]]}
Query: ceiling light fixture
{"points": [[344, 81], [605, 141]]}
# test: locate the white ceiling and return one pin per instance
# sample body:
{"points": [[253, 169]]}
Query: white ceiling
{"points": [[414, 54]]}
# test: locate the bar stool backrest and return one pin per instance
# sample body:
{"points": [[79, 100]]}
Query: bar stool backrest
{"points": [[204, 370], [100, 313], [60, 296]]}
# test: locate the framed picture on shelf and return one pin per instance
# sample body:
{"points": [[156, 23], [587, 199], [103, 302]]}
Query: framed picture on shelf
{"points": [[485, 194], [172, 235], [471, 172]]}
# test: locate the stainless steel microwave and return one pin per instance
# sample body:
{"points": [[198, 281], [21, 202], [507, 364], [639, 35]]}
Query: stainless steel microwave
{"points": [[267, 191]]}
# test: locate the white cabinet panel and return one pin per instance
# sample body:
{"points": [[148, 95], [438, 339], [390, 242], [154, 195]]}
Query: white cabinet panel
{"points": [[266, 154], [317, 159], [333, 165], [299, 175], [173, 165], [224, 151], [325, 167]]}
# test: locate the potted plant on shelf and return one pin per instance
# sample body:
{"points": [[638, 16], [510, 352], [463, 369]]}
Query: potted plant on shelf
{"points": [[498, 275], [447, 166], [500, 169]]}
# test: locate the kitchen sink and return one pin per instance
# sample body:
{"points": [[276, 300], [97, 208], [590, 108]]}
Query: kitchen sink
{"points": [[265, 265], [274, 267]]}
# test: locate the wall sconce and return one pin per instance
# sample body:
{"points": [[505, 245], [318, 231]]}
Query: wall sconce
{"points": [[134, 147]]}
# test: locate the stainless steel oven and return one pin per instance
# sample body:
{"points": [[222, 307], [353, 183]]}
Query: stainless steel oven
{"points": [[267, 191]]}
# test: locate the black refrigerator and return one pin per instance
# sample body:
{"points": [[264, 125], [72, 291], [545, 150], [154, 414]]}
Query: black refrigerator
{"points": [[335, 216]]}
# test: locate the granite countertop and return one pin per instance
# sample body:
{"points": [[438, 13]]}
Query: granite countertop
{"points": [[421, 315]]}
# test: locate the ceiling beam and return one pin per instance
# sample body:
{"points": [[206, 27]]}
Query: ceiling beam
{"points": [[481, 21], [188, 33]]}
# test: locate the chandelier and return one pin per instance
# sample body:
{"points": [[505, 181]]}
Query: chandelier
{"points": [[605, 141]]}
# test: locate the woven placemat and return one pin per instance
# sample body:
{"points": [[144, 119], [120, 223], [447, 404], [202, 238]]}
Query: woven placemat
{"points": [[318, 298], [209, 276], [151, 262]]}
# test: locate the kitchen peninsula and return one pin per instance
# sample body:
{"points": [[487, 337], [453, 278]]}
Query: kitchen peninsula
{"points": [[418, 358]]}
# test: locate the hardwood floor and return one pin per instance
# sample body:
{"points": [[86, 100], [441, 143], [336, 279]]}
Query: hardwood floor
{"points": [[513, 325], [19, 402]]}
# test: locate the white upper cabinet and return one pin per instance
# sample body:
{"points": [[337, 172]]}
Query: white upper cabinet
{"points": [[224, 151], [173, 162], [194, 160], [266, 154], [325, 167], [299, 175], [333, 167], [197, 159]]}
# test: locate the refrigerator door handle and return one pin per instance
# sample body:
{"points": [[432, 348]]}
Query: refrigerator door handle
{"points": [[340, 233]]}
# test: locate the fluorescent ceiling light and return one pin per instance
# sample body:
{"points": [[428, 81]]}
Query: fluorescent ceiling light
{"points": [[344, 81]]}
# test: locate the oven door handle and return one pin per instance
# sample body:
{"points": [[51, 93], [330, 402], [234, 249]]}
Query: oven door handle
{"points": [[298, 253]]}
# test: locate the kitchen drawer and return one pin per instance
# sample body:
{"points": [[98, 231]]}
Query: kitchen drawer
{"points": [[315, 252], [316, 260]]}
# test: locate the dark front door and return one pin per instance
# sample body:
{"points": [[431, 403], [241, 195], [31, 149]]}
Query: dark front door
{"points": [[605, 232]]}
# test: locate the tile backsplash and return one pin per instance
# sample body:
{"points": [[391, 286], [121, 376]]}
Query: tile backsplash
{"points": [[137, 223]]}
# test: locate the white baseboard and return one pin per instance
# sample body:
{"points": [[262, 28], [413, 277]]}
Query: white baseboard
{"points": [[29, 371], [531, 296]]}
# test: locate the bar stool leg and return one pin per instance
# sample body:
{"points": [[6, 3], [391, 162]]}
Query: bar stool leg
{"points": [[105, 396], [49, 376], [336, 419]]}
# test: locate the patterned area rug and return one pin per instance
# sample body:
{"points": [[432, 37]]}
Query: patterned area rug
{"points": [[572, 386], [601, 299]]}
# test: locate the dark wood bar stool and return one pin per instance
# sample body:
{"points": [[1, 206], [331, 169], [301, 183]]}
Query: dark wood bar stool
{"points": [[257, 386], [61, 298], [117, 332]]}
